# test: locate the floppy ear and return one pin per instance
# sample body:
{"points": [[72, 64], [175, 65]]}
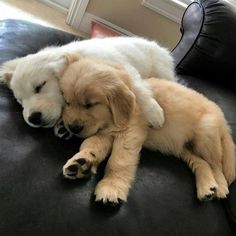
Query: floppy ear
{"points": [[7, 69], [122, 102], [59, 63]]}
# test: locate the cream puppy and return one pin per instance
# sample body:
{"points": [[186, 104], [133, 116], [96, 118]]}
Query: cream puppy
{"points": [[101, 105], [34, 78]]}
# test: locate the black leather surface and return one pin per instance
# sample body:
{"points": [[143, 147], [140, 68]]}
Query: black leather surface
{"points": [[207, 47], [19, 38], [36, 200]]}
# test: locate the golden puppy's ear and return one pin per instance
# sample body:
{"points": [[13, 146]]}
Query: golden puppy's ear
{"points": [[60, 63], [122, 101], [7, 69]]}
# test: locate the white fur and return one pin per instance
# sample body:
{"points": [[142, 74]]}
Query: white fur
{"points": [[142, 59]]}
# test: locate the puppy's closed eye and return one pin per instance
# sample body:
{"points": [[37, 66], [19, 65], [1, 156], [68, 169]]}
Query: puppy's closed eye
{"points": [[38, 88], [89, 105]]}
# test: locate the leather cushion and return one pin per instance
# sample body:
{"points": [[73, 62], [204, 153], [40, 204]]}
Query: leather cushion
{"points": [[207, 47], [35, 198]]}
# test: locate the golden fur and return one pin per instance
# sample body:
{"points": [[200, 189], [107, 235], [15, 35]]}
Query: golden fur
{"points": [[99, 99]]}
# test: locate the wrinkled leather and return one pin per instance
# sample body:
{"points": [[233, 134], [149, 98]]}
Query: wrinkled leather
{"points": [[207, 47], [37, 200]]}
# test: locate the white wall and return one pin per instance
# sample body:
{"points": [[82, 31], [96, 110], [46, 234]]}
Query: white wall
{"points": [[136, 18]]}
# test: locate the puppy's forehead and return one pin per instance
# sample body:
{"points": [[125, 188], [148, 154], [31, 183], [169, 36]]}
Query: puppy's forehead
{"points": [[83, 92], [87, 80], [88, 91], [81, 74]]}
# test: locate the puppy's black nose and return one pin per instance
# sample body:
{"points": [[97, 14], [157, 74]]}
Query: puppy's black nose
{"points": [[75, 129], [35, 118]]}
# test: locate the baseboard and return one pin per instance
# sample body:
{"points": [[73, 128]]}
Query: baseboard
{"points": [[85, 24]]}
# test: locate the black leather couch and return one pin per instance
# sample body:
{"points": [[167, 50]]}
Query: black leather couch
{"points": [[36, 200]]}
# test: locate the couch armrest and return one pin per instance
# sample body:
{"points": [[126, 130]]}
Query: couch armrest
{"points": [[19, 38], [207, 47]]}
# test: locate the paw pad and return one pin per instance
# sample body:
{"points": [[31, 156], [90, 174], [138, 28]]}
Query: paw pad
{"points": [[81, 161], [61, 132], [210, 195], [79, 168]]}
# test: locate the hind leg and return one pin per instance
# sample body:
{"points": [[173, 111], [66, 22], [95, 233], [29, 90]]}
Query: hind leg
{"points": [[205, 181], [207, 144]]}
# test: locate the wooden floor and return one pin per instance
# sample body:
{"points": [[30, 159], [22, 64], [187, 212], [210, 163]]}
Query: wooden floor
{"points": [[37, 12]]}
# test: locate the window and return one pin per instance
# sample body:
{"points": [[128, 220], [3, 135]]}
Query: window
{"points": [[173, 9]]}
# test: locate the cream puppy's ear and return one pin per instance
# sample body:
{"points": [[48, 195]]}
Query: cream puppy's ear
{"points": [[61, 62], [7, 69], [122, 102]]}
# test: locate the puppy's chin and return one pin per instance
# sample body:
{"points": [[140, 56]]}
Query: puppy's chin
{"points": [[87, 133], [48, 124]]}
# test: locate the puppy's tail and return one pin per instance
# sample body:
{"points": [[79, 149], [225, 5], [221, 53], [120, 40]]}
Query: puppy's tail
{"points": [[229, 156]]}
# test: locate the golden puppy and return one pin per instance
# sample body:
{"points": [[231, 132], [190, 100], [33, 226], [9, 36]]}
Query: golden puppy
{"points": [[100, 105]]}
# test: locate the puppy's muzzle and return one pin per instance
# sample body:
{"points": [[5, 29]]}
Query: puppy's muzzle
{"points": [[75, 129], [35, 118]]}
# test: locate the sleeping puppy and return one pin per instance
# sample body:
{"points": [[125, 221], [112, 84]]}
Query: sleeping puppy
{"points": [[34, 78], [101, 106]]}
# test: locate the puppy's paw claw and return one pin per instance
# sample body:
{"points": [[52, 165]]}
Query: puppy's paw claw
{"points": [[110, 203], [110, 193], [222, 192]]}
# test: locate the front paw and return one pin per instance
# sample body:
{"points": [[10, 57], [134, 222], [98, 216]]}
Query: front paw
{"points": [[154, 114], [111, 192], [61, 132], [79, 166]]}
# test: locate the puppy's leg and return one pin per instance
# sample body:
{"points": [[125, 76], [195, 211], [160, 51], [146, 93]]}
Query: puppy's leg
{"points": [[92, 152], [208, 145], [222, 191], [60, 131], [152, 111], [205, 181], [120, 170]]}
